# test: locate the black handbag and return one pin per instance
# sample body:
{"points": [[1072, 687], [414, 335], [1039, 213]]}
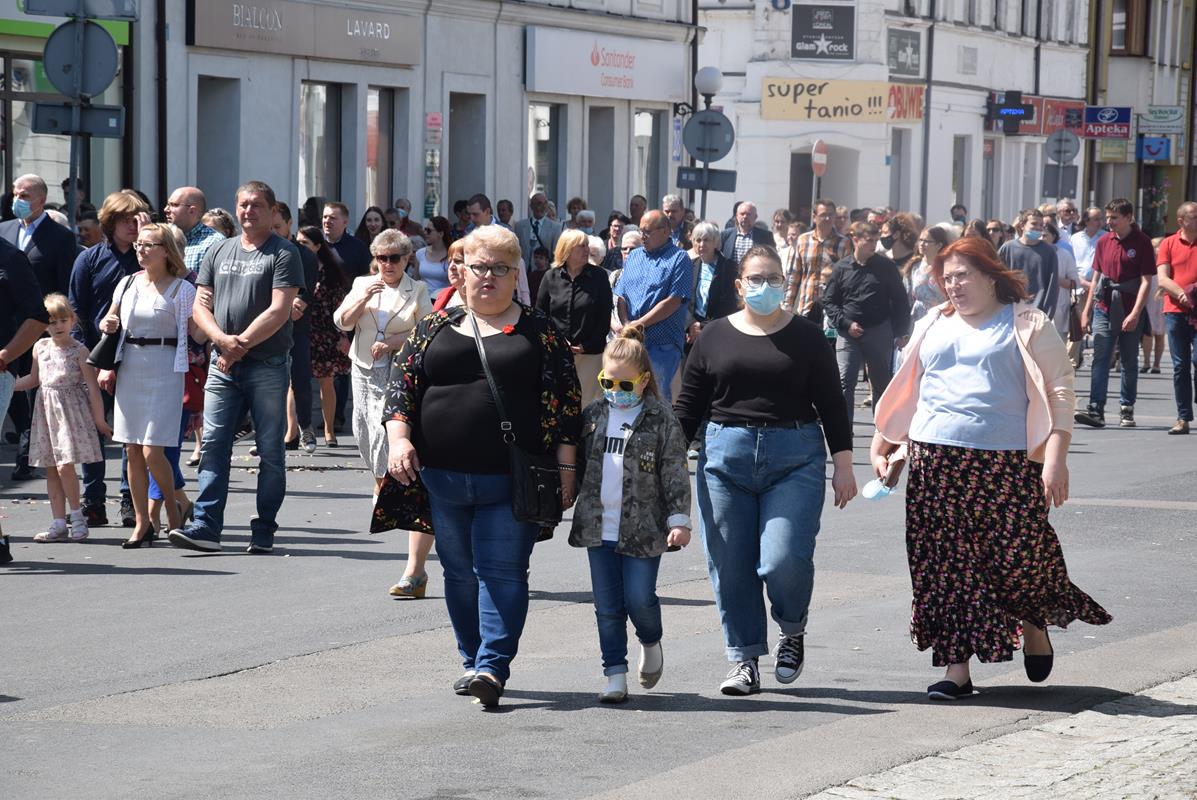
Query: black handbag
{"points": [[535, 479], [103, 355]]}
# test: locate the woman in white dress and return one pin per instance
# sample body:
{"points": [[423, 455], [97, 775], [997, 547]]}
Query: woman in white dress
{"points": [[381, 309], [152, 311]]}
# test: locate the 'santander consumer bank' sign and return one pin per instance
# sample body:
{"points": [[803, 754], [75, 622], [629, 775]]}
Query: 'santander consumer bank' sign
{"points": [[288, 27], [575, 62]]}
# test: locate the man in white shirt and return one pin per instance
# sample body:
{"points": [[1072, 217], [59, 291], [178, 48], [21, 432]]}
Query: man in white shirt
{"points": [[537, 230], [1084, 245]]}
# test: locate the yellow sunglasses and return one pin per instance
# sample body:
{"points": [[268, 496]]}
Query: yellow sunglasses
{"points": [[624, 386]]}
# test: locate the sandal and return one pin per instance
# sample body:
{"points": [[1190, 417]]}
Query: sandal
{"points": [[53, 534], [411, 586]]}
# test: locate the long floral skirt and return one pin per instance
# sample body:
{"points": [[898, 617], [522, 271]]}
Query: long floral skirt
{"points": [[982, 554]]}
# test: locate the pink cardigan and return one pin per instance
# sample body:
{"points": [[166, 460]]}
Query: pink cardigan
{"points": [[1044, 360]]}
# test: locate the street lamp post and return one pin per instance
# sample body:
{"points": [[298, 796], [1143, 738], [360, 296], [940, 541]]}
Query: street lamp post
{"points": [[708, 81]]}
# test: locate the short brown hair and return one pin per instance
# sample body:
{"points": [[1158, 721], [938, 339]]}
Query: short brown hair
{"points": [[117, 205], [339, 206], [257, 187], [1010, 286]]}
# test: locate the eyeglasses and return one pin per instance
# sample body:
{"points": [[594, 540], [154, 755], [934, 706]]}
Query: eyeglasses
{"points": [[390, 258], [775, 280], [498, 270], [144, 246], [624, 386], [957, 278]]}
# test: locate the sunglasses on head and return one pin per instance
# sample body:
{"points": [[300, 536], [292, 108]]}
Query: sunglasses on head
{"points": [[624, 386]]}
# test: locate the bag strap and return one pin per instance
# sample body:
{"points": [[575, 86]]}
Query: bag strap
{"points": [[504, 423]]}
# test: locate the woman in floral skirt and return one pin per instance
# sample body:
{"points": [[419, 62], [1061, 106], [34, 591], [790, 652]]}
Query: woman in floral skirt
{"points": [[330, 345], [985, 399]]}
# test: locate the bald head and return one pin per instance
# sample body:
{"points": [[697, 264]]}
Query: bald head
{"points": [[186, 207]]}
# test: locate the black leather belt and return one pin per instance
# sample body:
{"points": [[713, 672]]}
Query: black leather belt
{"points": [[151, 342], [744, 423]]}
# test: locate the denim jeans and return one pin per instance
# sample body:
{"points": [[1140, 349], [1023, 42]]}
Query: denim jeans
{"points": [[624, 587], [484, 551], [760, 495], [874, 349], [1103, 352], [665, 361], [1181, 336], [260, 387], [94, 490]]}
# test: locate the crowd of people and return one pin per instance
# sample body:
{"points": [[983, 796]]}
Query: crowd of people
{"points": [[490, 357]]}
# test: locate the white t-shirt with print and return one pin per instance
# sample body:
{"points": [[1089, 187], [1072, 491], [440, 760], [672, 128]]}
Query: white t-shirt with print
{"points": [[619, 427]]}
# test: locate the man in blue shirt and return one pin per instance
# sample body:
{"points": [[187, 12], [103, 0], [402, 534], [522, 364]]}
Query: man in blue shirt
{"points": [[653, 291], [186, 208]]}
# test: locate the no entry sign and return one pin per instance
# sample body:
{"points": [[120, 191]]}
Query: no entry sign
{"points": [[818, 158]]}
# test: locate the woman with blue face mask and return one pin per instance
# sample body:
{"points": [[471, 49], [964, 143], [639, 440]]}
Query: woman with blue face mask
{"points": [[767, 386]]}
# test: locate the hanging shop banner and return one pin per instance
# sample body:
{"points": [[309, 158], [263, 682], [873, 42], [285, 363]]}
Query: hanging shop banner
{"points": [[904, 53], [806, 100], [1107, 122], [1063, 115], [824, 33], [1154, 148], [1162, 119]]}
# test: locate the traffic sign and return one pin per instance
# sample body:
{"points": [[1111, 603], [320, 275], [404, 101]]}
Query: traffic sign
{"points": [[708, 135], [716, 180], [818, 158], [106, 122], [76, 73], [1062, 146], [1062, 177], [125, 10], [1107, 122]]}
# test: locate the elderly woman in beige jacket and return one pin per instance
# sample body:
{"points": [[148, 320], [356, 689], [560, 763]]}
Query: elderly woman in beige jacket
{"points": [[984, 398], [381, 309]]}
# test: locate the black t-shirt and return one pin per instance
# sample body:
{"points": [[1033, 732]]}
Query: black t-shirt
{"points": [[459, 423], [787, 376], [354, 255]]}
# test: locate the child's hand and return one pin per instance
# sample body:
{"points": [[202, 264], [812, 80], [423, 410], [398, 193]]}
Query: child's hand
{"points": [[105, 429], [678, 537]]}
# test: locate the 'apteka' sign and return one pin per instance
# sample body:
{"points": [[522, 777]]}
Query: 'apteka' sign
{"points": [[1107, 122]]}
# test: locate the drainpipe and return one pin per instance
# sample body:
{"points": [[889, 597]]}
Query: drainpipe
{"points": [[1095, 59], [693, 72], [160, 66], [925, 183], [1188, 182]]}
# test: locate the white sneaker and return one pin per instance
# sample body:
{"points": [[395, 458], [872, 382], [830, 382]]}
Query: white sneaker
{"points": [[652, 664], [57, 532], [307, 440], [78, 526], [617, 689], [744, 678]]}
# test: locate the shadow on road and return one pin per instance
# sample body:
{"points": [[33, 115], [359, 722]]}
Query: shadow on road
{"points": [[682, 702], [69, 568]]}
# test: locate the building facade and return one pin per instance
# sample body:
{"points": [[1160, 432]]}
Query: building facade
{"points": [[405, 98], [900, 92]]}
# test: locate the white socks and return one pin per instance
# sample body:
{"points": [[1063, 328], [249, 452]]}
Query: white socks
{"points": [[617, 689], [651, 658]]}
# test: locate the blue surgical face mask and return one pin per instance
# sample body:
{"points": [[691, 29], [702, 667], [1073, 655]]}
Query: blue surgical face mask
{"points": [[588, 231], [1033, 235], [21, 208], [764, 299], [620, 399], [402, 213]]}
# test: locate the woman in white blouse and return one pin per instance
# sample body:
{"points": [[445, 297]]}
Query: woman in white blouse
{"points": [[381, 309]]}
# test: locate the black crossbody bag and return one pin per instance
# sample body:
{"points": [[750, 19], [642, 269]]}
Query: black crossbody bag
{"points": [[103, 355], [535, 479]]}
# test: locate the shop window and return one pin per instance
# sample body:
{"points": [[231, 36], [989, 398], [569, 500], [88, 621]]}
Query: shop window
{"points": [[646, 147], [961, 169], [546, 137], [600, 173], [1129, 27], [380, 146], [319, 142]]}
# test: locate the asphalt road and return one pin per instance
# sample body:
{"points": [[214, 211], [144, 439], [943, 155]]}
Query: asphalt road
{"points": [[162, 673]]}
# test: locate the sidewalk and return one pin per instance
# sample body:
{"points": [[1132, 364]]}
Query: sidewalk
{"points": [[1141, 746]]}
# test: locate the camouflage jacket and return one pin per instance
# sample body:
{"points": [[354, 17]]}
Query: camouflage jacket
{"points": [[656, 480]]}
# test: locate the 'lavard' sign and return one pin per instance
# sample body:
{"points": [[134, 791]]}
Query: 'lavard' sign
{"points": [[841, 101]]}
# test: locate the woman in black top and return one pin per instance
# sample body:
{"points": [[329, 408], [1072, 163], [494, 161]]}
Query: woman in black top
{"points": [[764, 379], [577, 297], [439, 406]]}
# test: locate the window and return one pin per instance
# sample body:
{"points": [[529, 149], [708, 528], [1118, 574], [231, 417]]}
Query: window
{"points": [[1030, 18], [546, 138], [1047, 20], [1129, 27], [646, 145], [380, 146], [961, 169], [999, 15], [320, 141]]}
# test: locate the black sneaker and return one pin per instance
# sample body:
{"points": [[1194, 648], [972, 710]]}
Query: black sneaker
{"points": [[1126, 416], [24, 472], [788, 658], [95, 515], [1092, 416], [744, 678], [128, 515], [947, 690], [5, 552]]}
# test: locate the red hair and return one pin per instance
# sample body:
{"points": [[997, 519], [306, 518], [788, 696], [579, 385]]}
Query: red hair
{"points": [[1009, 285]]}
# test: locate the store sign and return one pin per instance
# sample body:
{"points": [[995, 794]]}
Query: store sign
{"points": [[1114, 151], [841, 101], [1107, 122], [625, 67], [306, 30], [1162, 119], [1063, 115], [904, 53], [824, 33], [1027, 126], [1154, 148]]}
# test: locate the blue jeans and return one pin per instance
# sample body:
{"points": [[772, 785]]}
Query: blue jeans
{"points": [[94, 490], [665, 361], [760, 495], [260, 386], [1103, 353], [172, 458], [1181, 336], [875, 350], [484, 551], [624, 587]]}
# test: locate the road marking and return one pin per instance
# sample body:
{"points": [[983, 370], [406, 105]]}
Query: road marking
{"points": [[1158, 505]]}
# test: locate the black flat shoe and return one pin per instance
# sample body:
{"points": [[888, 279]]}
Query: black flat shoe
{"points": [[1038, 667], [948, 690], [291, 444], [461, 686], [486, 689]]}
